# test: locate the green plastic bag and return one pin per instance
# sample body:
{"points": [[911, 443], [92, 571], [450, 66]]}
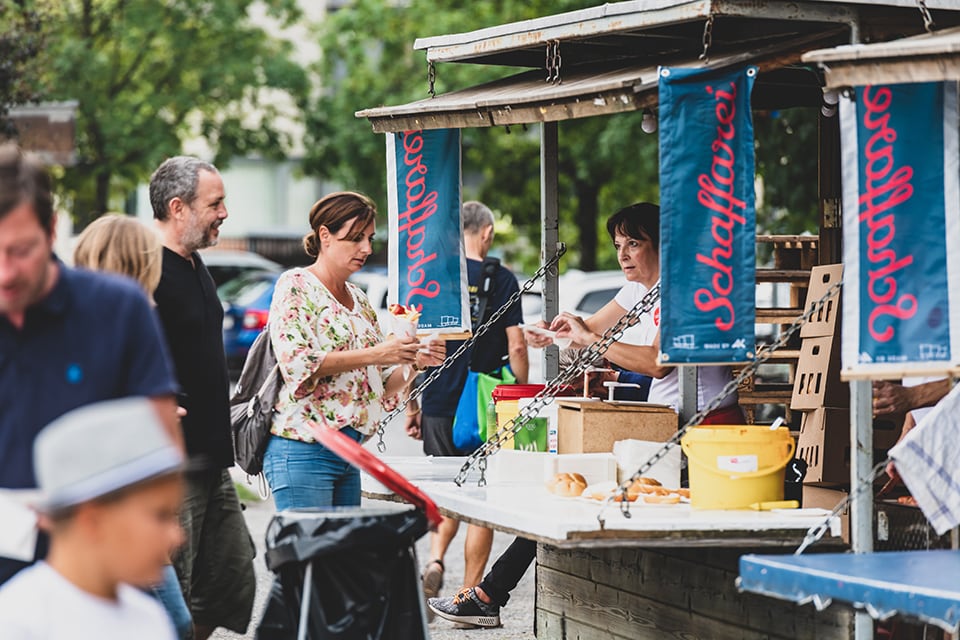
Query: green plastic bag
{"points": [[470, 421], [486, 383]]}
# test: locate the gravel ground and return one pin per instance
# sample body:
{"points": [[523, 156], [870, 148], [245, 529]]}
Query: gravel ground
{"points": [[517, 618]]}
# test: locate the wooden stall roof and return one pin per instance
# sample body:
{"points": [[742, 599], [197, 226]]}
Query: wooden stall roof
{"points": [[622, 29], [609, 56], [587, 90], [930, 57]]}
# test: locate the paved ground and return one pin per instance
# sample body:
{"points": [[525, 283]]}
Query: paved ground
{"points": [[517, 618]]}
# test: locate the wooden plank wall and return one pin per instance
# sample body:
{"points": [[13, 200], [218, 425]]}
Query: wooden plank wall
{"points": [[633, 594]]}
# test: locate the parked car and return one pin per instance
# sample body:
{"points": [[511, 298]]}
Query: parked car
{"points": [[225, 265], [246, 304], [581, 292]]}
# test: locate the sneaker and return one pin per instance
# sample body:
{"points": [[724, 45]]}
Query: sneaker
{"points": [[432, 583], [466, 608]]}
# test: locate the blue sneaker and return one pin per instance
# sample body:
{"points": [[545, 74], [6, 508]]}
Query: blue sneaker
{"points": [[466, 608]]}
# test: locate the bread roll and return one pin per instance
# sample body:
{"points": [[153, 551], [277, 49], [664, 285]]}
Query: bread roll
{"points": [[567, 484], [662, 499], [643, 485]]}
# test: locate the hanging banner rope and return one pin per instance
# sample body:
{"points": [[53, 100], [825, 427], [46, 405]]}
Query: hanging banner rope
{"points": [[901, 208], [708, 216], [428, 266]]}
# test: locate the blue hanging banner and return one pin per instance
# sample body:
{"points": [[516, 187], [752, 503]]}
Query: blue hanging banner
{"points": [[707, 216], [901, 213], [427, 266]]}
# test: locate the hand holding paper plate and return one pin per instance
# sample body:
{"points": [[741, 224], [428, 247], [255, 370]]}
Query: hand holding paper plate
{"points": [[563, 343]]}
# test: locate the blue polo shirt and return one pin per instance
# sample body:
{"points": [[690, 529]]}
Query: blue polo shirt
{"points": [[93, 338]]}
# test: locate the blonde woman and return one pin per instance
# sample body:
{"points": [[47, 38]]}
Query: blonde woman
{"points": [[120, 244]]}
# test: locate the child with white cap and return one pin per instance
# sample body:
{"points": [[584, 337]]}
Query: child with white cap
{"points": [[111, 484]]}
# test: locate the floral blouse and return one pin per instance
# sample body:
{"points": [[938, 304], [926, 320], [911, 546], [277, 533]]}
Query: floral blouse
{"points": [[306, 323]]}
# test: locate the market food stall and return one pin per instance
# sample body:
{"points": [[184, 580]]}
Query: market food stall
{"points": [[665, 570], [911, 584]]}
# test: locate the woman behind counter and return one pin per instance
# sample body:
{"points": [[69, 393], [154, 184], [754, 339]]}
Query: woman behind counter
{"points": [[334, 360], [635, 231]]}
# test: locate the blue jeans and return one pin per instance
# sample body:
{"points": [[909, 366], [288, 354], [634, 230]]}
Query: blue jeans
{"points": [[304, 475], [169, 594]]}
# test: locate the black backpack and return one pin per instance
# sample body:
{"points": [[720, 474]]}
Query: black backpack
{"points": [[252, 404]]}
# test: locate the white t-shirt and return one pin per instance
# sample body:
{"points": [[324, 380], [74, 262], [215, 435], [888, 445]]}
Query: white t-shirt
{"points": [[666, 390], [40, 604]]}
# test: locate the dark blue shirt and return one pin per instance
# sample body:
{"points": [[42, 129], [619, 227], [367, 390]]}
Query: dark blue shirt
{"points": [[93, 338], [489, 352]]}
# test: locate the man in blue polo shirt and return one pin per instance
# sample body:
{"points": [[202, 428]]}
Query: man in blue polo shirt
{"points": [[67, 337]]}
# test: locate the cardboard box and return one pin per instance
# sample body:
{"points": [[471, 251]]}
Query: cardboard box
{"points": [[828, 498], [826, 321], [824, 443], [593, 426], [817, 380]]}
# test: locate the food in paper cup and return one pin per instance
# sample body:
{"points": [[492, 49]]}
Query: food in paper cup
{"points": [[404, 320]]}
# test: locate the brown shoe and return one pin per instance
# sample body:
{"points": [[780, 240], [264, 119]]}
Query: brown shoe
{"points": [[432, 583]]}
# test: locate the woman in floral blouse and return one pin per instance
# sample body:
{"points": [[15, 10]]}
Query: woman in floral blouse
{"points": [[338, 370]]}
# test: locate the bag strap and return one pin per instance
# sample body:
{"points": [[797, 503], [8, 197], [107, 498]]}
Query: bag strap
{"points": [[485, 289], [266, 381]]}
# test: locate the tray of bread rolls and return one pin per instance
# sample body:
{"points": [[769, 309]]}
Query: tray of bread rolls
{"points": [[643, 490]]}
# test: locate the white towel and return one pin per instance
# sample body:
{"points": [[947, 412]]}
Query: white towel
{"points": [[928, 460]]}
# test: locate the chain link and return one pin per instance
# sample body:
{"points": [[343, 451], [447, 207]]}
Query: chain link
{"points": [[763, 355], [583, 360], [708, 38], [415, 394], [553, 61], [928, 22], [431, 79]]}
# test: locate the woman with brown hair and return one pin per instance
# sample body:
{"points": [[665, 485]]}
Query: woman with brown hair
{"points": [[338, 370]]}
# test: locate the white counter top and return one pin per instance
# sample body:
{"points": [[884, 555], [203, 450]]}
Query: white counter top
{"points": [[529, 510]]}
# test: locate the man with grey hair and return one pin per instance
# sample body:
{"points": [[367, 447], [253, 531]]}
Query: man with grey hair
{"points": [[215, 563], [490, 285]]}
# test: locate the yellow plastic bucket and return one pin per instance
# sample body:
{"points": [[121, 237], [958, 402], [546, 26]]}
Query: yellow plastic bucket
{"points": [[735, 466]]}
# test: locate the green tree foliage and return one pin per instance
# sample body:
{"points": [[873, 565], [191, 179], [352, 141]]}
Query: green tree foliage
{"points": [[21, 39], [787, 159], [149, 74]]}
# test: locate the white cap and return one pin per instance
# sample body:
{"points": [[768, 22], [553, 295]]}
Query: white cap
{"points": [[101, 448]]}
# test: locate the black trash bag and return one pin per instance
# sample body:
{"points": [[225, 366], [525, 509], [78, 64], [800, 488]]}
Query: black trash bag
{"points": [[365, 583]]}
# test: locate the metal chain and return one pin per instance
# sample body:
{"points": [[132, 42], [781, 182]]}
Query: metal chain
{"points": [[763, 355], [553, 61], [583, 360], [928, 23], [708, 37], [450, 359], [816, 532], [431, 78]]}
